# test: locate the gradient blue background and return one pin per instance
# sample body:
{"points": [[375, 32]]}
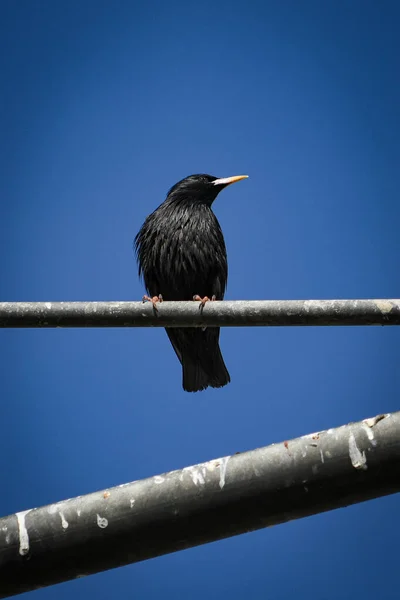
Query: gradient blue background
{"points": [[105, 105]]}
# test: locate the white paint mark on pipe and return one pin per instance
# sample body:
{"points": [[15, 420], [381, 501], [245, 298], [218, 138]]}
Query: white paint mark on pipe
{"points": [[197, 473], [132, 502], [322, 456], [358, 458], [23, 532], [64, 521], [102, 522], [197, 476], [370, 434], [384, 306], [222, 470]]}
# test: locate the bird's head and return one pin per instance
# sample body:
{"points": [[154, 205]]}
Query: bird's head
{"points": [[201, 188]]}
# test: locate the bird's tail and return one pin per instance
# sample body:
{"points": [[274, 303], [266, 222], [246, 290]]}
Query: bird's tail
{"points": [[198, 376], [201, 358]]}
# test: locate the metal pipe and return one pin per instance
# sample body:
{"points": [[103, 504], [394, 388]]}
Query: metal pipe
{"points": [[240, 313], [199, 504]]}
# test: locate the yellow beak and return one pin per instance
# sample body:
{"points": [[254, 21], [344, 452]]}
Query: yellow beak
{"points": [[229, 180]]}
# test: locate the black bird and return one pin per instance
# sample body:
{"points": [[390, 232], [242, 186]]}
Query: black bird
{"points": [[182, 256]]}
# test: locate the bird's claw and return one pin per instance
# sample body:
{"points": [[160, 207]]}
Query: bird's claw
{"points": [[154, 300], [203, 300]]}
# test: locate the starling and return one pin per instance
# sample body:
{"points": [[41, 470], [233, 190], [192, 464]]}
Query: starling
{"points": [[181, 254]]}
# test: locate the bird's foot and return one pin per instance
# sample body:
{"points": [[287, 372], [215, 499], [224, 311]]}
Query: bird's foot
{"points": [[154, 300], [203, 301]]}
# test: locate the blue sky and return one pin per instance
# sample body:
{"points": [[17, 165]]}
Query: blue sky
{"points": [[104, 106]]}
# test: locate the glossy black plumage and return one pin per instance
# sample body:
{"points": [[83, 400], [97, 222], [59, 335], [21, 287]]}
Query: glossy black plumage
{"points": [[181, 253]]}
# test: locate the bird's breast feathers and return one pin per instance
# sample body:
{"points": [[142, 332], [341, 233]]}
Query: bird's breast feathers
{"points": [[186, 255]]}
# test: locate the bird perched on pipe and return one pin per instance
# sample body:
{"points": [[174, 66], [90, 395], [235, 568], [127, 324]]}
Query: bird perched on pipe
{"points": [[181, 255]]}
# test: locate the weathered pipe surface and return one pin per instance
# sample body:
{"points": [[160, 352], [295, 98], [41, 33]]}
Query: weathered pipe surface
{"points": [[239, 313], [199, 504]]}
